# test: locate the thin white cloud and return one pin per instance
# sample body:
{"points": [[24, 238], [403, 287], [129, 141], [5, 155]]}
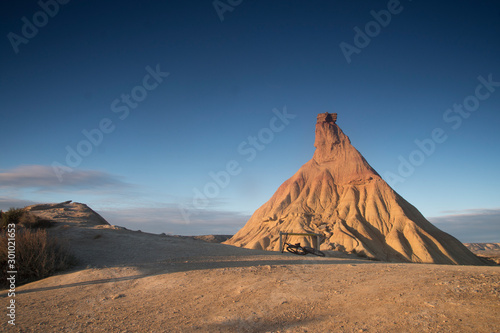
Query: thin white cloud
{"points": [[473, 211], [471, 225], [6, 203], [170, 219], [42, 177]]}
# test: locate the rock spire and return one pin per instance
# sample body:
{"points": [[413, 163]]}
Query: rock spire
{"points": [[340, 196]]}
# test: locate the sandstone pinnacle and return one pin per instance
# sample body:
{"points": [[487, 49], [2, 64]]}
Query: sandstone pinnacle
{"points": [[338, 195]]}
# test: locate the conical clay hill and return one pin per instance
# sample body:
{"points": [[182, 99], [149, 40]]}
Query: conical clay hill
{"points": [[339, 195]]}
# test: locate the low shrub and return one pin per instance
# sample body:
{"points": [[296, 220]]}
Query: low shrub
{"points": [[13, 215], [21, 217], [31, 221], [37, 255]]}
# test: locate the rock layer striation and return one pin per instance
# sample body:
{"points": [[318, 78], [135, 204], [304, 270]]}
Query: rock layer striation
{"points": [[338, 195]]}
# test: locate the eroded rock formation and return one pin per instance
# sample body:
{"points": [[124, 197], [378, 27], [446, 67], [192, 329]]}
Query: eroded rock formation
{"points": [[340, 196]]}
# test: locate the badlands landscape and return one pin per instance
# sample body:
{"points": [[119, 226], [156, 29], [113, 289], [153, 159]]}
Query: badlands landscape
{"points": [[130, 281], [386, 269]]}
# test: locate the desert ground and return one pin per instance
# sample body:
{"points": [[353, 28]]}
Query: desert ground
{"points": [[130, 281]]}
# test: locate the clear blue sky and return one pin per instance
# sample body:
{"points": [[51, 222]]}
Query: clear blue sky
{"points": [[101, 67]]}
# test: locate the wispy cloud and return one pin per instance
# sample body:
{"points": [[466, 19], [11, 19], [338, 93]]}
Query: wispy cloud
{"points": [[473, 211], [168, 219], [471, 225], [6, 203], [42, 177]]}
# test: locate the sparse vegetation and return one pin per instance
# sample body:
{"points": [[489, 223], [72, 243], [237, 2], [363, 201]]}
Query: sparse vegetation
{"points": [[13, 215], [37, 255], [22, 218]]}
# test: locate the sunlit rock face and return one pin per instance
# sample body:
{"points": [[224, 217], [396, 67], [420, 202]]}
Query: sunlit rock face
{"points": [[338, 195]]}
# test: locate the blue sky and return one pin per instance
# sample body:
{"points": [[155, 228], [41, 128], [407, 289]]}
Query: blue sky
{"points": [[170, 92]]}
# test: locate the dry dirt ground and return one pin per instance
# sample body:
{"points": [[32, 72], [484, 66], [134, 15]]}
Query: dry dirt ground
{"points": [[129, 281]]}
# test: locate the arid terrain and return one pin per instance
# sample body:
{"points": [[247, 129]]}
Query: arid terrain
{"points": [[490, 251], [129, 281]]}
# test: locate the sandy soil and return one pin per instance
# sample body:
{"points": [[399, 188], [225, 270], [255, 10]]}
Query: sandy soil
{"points": [[137, 282]]}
